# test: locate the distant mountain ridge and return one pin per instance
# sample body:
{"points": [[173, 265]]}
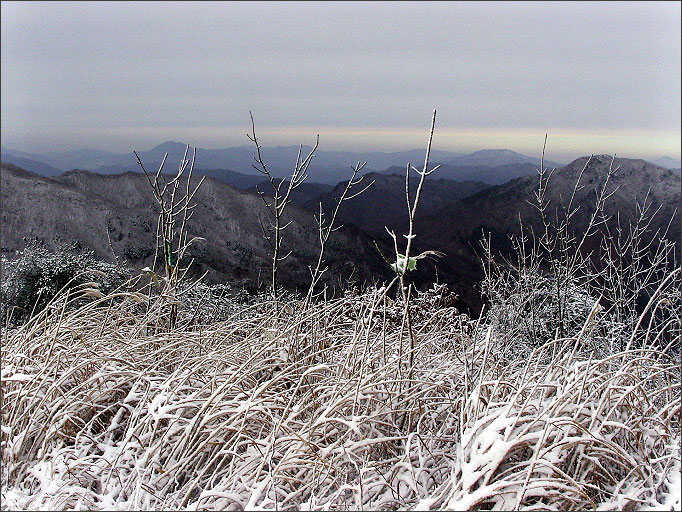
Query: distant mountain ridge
{"points": [[67, 160], [35, 166], [328, 167]]}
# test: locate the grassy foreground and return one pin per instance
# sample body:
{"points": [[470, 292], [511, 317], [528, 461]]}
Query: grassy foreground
{"points": [[103, 407]]}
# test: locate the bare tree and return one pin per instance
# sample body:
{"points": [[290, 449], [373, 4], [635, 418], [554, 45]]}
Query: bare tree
{"points": [[175, 209], [325, 230], [405, 262], [280, 199]]}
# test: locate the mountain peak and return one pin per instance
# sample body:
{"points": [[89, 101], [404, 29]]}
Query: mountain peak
{"points": [[169, 145], [498, 157]]}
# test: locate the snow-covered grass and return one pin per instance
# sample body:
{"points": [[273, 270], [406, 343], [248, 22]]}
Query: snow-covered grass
{"points": [[282, 408]]}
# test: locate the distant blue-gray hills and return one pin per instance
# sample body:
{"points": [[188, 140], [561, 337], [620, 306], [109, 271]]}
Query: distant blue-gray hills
{"points": [[235, 165]]}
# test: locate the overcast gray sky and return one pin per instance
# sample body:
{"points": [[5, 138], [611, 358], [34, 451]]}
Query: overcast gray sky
{"points": [[598, 77]]}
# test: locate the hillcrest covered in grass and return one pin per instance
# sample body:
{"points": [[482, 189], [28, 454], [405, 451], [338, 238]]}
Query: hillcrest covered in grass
{"points": [[285, 407]]}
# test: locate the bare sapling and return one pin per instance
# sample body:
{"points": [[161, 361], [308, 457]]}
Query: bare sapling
{"points": [[175, 209], [281, 198], [326, 229], [404, 261]]}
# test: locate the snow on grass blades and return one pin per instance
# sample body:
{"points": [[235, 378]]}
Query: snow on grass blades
{"points": [[279, 407]]}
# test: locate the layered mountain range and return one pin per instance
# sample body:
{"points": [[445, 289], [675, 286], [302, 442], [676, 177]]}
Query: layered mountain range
{"points": [[232, 164], [452, 218]]}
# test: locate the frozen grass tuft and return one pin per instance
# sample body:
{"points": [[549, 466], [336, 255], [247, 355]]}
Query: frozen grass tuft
{"points": [[281, 407]]}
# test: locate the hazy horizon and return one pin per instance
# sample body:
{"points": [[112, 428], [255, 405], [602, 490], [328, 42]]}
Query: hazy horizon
{"points": [[597, 77], [560, 159]]}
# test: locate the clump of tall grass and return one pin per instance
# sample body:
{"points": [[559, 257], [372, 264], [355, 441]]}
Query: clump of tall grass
{"points": [[282, 406]]}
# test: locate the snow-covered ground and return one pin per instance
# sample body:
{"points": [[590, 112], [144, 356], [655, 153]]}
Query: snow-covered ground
{"points": [[104, 408]]}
